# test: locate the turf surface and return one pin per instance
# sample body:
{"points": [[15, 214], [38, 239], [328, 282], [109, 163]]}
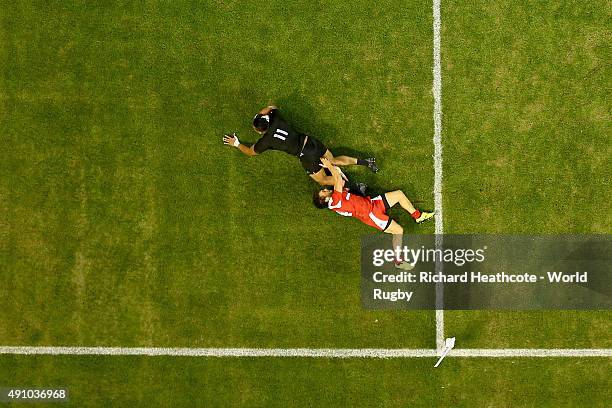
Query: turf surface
{"points": [[129, 223], [153, 381], [124, 221], [527, 145]]}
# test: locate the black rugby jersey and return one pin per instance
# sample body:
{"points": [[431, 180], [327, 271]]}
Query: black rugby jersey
{"points": [[280, 136]]}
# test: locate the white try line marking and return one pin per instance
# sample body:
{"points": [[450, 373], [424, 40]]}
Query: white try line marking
{"points": [[300, 352], [437, 140]]}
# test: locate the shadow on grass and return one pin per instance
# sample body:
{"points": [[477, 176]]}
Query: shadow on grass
{"points": [[299, 112]]}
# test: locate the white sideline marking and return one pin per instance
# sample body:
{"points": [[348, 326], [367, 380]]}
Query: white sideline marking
{"points": [[222, 352], [437, 140], [301, 352]]}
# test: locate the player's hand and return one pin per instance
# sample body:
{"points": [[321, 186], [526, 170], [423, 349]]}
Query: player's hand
{"points": [[231, 140], [326, 163]]}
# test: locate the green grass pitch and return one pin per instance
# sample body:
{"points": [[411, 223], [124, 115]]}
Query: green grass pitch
{"points": [[125, 222]]}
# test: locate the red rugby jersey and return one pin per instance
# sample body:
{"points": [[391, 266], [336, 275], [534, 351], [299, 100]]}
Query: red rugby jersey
{"points": [[351, 205]]}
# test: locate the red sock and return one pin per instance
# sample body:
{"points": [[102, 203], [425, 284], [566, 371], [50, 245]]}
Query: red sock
{"points": [[416, 214]]}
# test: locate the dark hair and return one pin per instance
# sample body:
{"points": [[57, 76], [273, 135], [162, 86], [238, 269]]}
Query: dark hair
{"points": [[260, 123], [317, 201]]}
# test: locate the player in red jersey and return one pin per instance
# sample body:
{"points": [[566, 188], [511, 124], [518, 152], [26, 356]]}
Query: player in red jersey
{"points": [[371, 211]]}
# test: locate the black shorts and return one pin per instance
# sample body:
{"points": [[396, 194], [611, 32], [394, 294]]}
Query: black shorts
{"points": [[311, 154], [387, 208], [385, 202]]}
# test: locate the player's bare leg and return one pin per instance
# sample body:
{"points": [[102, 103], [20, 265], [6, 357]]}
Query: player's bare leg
{"points": [[344, 161], [398, 196], [350, 161], [397, 231]]}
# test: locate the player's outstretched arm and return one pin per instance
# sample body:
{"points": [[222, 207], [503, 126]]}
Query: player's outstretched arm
{"points": [[335, 174], [232, 140], [267, 109], [322, 179]]}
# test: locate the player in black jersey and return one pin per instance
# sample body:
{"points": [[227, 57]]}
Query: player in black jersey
{"points": [[279, 135]]}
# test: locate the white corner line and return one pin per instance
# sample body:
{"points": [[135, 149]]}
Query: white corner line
{"points": [[300, 352], [437, 141]]}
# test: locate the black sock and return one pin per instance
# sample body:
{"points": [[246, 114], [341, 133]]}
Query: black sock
{"points": [[362, 162]]}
